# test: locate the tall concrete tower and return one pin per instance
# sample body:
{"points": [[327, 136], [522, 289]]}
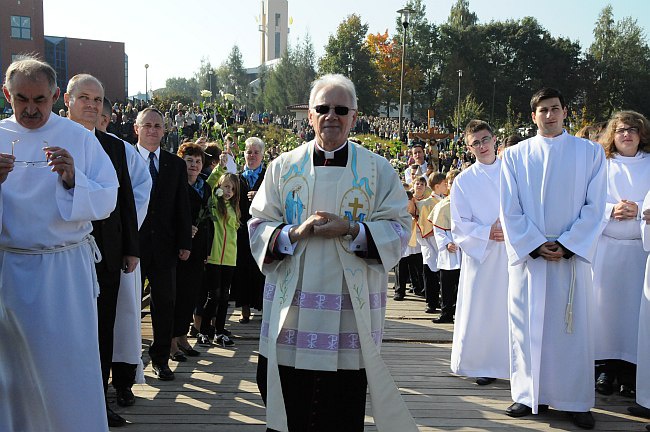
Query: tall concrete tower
{"points": [[274, 29]]}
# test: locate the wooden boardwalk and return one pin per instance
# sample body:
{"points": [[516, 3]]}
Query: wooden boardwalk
{"points": [[217, 391]]}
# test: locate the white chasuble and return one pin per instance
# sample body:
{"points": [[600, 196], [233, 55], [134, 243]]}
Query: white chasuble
{"points": [[481, 346], [324, 307], [617, 293], [48, 279], [127, 333], [643, 353], [552, 189]]}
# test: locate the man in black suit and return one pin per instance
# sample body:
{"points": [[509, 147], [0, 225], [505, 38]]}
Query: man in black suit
{"points": [[165, 235], [117, 235]]}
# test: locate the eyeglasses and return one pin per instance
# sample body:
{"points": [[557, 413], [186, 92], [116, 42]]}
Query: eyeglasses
{"points": [[25, 164], [631, 130], [482, 142], [338, 110]]}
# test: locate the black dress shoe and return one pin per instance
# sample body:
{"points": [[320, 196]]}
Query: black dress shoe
{"points": [[244, 320], [162, 372], [178, 356], [125, 397], [604, 385], [639, 411], [114, 419], [627, 391], [430, 310], [189, 351], [583, 420], [398, 297], [518, 410], [442, 319], [485, 380]]}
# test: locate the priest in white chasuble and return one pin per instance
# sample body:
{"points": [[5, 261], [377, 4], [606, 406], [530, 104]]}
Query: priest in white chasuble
{"points": [[328, 223], [553, 189], [480, 347]]}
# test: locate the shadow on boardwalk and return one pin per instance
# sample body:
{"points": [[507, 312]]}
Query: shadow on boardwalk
{"points": [[217, 391]]}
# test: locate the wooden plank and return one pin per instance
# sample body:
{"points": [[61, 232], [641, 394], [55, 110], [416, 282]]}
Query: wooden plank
{"points": [[217, 390]]}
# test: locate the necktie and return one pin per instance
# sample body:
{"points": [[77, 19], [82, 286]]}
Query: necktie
{"points": [[152, 168]]}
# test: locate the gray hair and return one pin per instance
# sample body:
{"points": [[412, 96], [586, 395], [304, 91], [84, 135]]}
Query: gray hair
{"points": [[80, 79], [257, 142], [333, 80], [31, 68], [141, 114]]}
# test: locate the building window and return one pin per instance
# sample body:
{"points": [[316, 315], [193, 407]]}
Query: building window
{"points": [[277, 20], [21, 27], [277, 45]]}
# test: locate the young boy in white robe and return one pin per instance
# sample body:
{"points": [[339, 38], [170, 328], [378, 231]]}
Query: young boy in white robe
{"points": [[553, 189], [431, 275], [449, 255], [478, 349]]}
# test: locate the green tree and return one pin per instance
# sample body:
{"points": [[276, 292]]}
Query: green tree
{"points": [[460, 17], [347, 50], [617, 67]]}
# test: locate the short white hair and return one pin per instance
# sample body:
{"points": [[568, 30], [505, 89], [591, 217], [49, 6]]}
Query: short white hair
{"points": [[257, 142], [333, 80]]}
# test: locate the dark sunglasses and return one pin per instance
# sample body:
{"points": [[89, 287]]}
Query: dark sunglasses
{"points": [[338, 110]]}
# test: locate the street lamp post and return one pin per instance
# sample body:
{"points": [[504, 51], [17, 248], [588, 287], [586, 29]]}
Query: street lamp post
{"points": [[405, 16], [146, 83], [460, 75]]}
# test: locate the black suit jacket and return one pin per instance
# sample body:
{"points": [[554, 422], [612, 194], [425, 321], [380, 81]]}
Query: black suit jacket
{"points": [[117, 235], [168, 225]]}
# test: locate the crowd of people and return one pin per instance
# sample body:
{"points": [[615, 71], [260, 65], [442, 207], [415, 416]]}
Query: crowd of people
{"points": [[523, 235]]}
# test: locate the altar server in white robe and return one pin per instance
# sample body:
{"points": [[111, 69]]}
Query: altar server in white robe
{"points": [[642, 408], [127, 347], [553, 189], [478, 349], [449, 255], [328, 223], [56, 178], [617, 293]]}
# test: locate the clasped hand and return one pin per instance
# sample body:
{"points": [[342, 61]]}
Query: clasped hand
{"points": [[625, 210], [320, 224]]}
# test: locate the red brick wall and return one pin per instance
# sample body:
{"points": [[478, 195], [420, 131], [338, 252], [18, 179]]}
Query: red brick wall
{"points": [[9, 46]]}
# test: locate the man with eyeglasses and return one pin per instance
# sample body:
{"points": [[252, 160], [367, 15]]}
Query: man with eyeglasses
{"points": [[165, 235], [328, 223], [49, 287], [117, 235], [479, 350], [553, 189]]}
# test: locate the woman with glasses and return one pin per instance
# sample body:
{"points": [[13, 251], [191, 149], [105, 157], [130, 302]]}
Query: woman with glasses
{"points": [[619, 263]]}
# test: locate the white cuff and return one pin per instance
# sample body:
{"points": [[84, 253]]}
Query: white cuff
{"points": [[283, 241], [360, 242]]}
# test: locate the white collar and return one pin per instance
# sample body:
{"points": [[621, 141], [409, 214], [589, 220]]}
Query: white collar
{"points": [[330, 154]]}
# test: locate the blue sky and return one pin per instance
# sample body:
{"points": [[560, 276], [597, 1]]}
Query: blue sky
{"points": [[180, 33]]}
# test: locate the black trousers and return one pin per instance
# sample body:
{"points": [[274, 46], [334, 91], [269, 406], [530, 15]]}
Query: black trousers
{"points": [[218, 279], [123, 375], [162, 280], [431, 287], [189, 279], [621, 371], [109, 285], [410, 266], [449, 289], [319, 401]]}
